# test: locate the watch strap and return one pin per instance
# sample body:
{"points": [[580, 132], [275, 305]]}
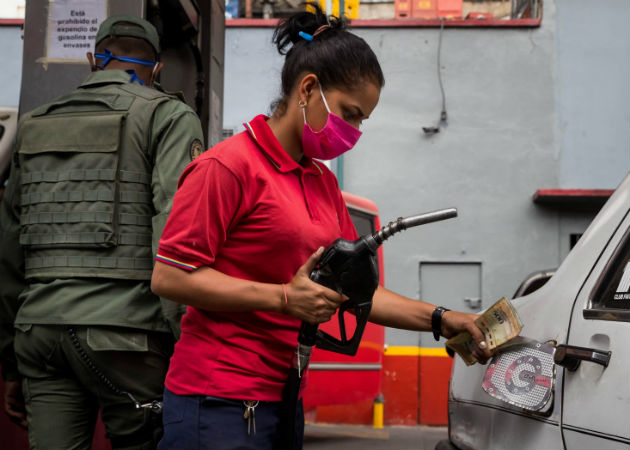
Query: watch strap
{"points": [[436, 321]]}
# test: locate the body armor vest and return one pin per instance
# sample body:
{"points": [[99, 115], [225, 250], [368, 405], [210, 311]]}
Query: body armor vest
{"points": [[86, 198]]}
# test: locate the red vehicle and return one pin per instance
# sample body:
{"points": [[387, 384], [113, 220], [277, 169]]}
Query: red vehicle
{"points": [[335, 379]]}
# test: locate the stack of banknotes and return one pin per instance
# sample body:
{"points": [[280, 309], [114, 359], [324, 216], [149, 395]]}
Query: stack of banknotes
{"points": [[499, 324]]}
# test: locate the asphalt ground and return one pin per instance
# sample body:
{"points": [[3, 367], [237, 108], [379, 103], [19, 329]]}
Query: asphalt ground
{"points": [[351, 437]]}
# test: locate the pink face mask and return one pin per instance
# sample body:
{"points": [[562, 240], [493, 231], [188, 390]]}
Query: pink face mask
{"points": [[336, 138]]}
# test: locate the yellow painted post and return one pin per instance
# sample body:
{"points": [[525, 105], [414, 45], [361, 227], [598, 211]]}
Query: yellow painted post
{"points": [[377, 412]]}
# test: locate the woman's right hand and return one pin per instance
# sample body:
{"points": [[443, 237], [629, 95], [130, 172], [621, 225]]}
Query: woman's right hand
{"points": [[309, 301]]}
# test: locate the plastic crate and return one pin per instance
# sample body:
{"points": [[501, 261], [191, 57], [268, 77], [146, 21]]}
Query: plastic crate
{"points": [[402, 9], [429, 9], [424, 9], [450, 9]]}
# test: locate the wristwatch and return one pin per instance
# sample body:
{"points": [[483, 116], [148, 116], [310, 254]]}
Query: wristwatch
{"points": [[436, 321]]}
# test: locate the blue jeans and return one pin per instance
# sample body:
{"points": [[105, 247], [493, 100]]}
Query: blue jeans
{"points": [[200, 422]]}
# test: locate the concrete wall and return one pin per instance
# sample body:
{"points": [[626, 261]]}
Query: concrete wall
{"points": [[593, 48], [516, 124], [498, 148], [11, 60]]}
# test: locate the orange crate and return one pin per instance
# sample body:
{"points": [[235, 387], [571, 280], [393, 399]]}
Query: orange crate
{"points": [[450, 9], [402, 9], [424, 9]]}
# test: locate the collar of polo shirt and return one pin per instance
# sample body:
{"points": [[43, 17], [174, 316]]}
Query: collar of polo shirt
{"points": [[267, 142]]}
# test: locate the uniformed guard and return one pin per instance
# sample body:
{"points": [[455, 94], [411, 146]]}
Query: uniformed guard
{"points": [[90, 188]]}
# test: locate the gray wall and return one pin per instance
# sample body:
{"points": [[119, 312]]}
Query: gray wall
{"points": [[592, 43], [11, 60], [497, 149], [519, 101]]}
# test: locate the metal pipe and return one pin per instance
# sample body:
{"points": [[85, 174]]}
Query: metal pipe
{"points": [[401, 224], [429, 217]]}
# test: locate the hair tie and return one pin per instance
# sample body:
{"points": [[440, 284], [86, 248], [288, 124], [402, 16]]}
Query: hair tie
{"points": [[321, 29], [309, 37], [305, 36]]}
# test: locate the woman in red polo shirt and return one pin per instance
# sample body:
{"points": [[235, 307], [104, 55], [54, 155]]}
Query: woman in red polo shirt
{"points": [[248, 224]]}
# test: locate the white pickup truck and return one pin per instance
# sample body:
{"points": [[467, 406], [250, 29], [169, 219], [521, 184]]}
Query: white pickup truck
{"points": [[568, 385]]}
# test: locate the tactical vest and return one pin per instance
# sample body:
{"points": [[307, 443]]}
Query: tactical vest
{"points": [[86, 199]]}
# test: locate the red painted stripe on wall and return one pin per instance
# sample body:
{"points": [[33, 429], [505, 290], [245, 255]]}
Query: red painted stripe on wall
{"points": [[403, 23], [14, 22]]}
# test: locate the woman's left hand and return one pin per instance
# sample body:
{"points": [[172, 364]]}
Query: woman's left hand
{"points": [[454, 322], [309, 301]]}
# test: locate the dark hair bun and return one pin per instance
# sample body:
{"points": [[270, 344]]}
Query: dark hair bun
{"points": [[287, 32], [339, 58]]}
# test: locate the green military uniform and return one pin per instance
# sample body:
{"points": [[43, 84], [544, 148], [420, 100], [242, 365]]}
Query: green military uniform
{"points": [[90, 189]]}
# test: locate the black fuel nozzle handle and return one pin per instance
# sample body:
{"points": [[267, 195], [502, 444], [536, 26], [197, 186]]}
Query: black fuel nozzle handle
{"points": [[351, 268], [321, 275]]}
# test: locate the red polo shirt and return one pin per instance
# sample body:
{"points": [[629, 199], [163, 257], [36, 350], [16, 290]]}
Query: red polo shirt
{"points": [[248, 210]]}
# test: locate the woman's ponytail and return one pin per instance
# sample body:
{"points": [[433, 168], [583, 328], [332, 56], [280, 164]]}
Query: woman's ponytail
{"points": [[287, 32]]}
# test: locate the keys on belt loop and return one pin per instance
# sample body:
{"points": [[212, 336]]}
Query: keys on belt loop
{"points": [[250, 414], [155, 406]]}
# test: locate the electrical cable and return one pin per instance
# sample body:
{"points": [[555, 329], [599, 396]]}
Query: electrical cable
{"points": [[443, 116], [439, 71]]}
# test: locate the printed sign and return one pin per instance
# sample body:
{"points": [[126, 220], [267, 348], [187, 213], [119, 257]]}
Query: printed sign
{"points": [[72, 27]]}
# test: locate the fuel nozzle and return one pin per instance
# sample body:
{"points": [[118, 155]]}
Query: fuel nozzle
{"points": [[375, 240], [351, 268]]}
